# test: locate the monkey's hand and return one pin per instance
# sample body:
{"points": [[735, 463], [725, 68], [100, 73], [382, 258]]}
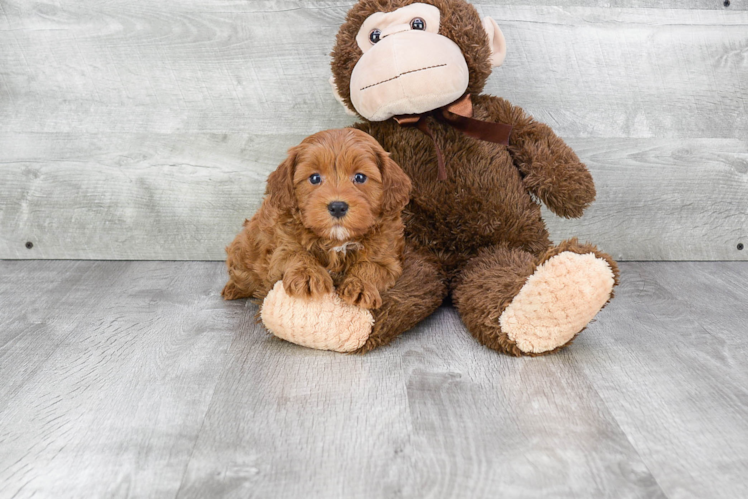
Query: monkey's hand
{"points": [[551, 169], [555, 175]]}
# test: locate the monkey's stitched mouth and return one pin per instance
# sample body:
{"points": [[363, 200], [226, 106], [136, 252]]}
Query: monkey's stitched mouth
{"points": [[402, 74]]}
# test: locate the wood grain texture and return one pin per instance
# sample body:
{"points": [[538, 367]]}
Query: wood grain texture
{"points": [[27, 296], [664, 199], [136, 379], [130, 354], [186, 199], [141, 130], [438, 416], [674, 376]]}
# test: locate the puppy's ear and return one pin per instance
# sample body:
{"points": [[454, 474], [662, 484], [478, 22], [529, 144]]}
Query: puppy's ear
{"points": [[395, 184], [280, 183]]}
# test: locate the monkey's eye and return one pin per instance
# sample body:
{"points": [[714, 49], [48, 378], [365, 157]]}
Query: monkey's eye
{"points": [[359, 178], [418, 24], [315, 179], [374, 36]]}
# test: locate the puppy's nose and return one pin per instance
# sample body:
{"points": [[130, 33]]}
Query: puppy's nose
{"points": [[337, 208]]}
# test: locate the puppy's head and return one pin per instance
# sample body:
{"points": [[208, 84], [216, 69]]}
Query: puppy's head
{"points": [[341, 181]]}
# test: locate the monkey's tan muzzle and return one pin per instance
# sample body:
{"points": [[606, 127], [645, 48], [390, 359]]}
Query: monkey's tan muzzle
{"points": [[408, 72]]}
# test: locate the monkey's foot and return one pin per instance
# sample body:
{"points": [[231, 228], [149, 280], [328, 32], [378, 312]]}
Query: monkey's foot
{"points": [[327, 323], [558, 301]]}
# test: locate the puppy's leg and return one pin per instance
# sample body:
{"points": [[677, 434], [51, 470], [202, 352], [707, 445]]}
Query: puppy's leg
{"points": [[239, 286], [366, 281], [243, 281], [305, 278], [360, 292]]}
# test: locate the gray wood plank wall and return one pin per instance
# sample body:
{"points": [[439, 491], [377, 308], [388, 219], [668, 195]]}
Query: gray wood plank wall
{"points": [[133, 129]]}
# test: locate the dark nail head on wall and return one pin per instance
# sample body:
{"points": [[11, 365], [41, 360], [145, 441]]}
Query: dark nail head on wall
{"points": [[29, 245]]}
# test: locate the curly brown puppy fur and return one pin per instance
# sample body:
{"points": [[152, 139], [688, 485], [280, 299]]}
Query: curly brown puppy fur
{"points": [[331, 219]]}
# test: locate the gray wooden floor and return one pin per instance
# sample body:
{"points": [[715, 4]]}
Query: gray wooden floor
{"points": [[135, 379]]}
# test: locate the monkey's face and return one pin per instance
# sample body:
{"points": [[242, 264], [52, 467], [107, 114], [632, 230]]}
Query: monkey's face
{"points": [[409, 62], [407, 66]]}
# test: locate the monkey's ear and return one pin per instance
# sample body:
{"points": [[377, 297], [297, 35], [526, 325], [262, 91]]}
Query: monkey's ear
{"points": [[280, 183], [338, 98], [395, 184], [496, 41]]}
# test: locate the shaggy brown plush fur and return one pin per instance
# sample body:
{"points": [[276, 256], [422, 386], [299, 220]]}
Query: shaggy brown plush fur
{"points": [[479, 233], [417, 293], [491, 280], [293, 236]]}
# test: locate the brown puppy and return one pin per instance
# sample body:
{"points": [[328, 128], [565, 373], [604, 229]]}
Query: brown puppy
{"points": [[331, 218]]}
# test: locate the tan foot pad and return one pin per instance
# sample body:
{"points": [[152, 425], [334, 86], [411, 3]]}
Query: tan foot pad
{"points": [[557, 301], [328, 323]]}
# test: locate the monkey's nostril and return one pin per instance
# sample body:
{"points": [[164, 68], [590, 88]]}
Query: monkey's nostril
{"points": [[337, 208]]}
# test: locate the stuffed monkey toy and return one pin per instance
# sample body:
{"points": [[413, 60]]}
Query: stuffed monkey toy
{"points": [[414, 72]]}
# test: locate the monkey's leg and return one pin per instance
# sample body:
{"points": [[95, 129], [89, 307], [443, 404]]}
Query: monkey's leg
{"points": [[518, 304], [418, 292], [331, 324]]}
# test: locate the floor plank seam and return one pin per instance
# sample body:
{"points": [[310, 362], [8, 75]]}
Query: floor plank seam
{"points": [[626, 435]]}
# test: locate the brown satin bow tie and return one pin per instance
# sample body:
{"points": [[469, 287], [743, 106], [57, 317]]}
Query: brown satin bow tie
{"points": [[459, 115]]}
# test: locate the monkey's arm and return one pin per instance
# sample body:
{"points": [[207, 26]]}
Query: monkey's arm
{"points": [[551, 169]]}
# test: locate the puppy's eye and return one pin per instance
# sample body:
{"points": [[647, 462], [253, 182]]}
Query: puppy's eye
{"points": [[374, 36], [359, 178], [418, 24], [315, 179]]}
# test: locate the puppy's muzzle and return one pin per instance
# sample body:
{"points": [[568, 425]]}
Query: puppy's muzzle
{"points": [[337, 209]]}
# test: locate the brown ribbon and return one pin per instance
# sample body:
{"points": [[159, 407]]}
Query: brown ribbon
{"points": [[459, 115]]}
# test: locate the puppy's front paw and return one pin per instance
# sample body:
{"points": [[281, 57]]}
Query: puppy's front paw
{"points": [[307, 283], [359, 293]]}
